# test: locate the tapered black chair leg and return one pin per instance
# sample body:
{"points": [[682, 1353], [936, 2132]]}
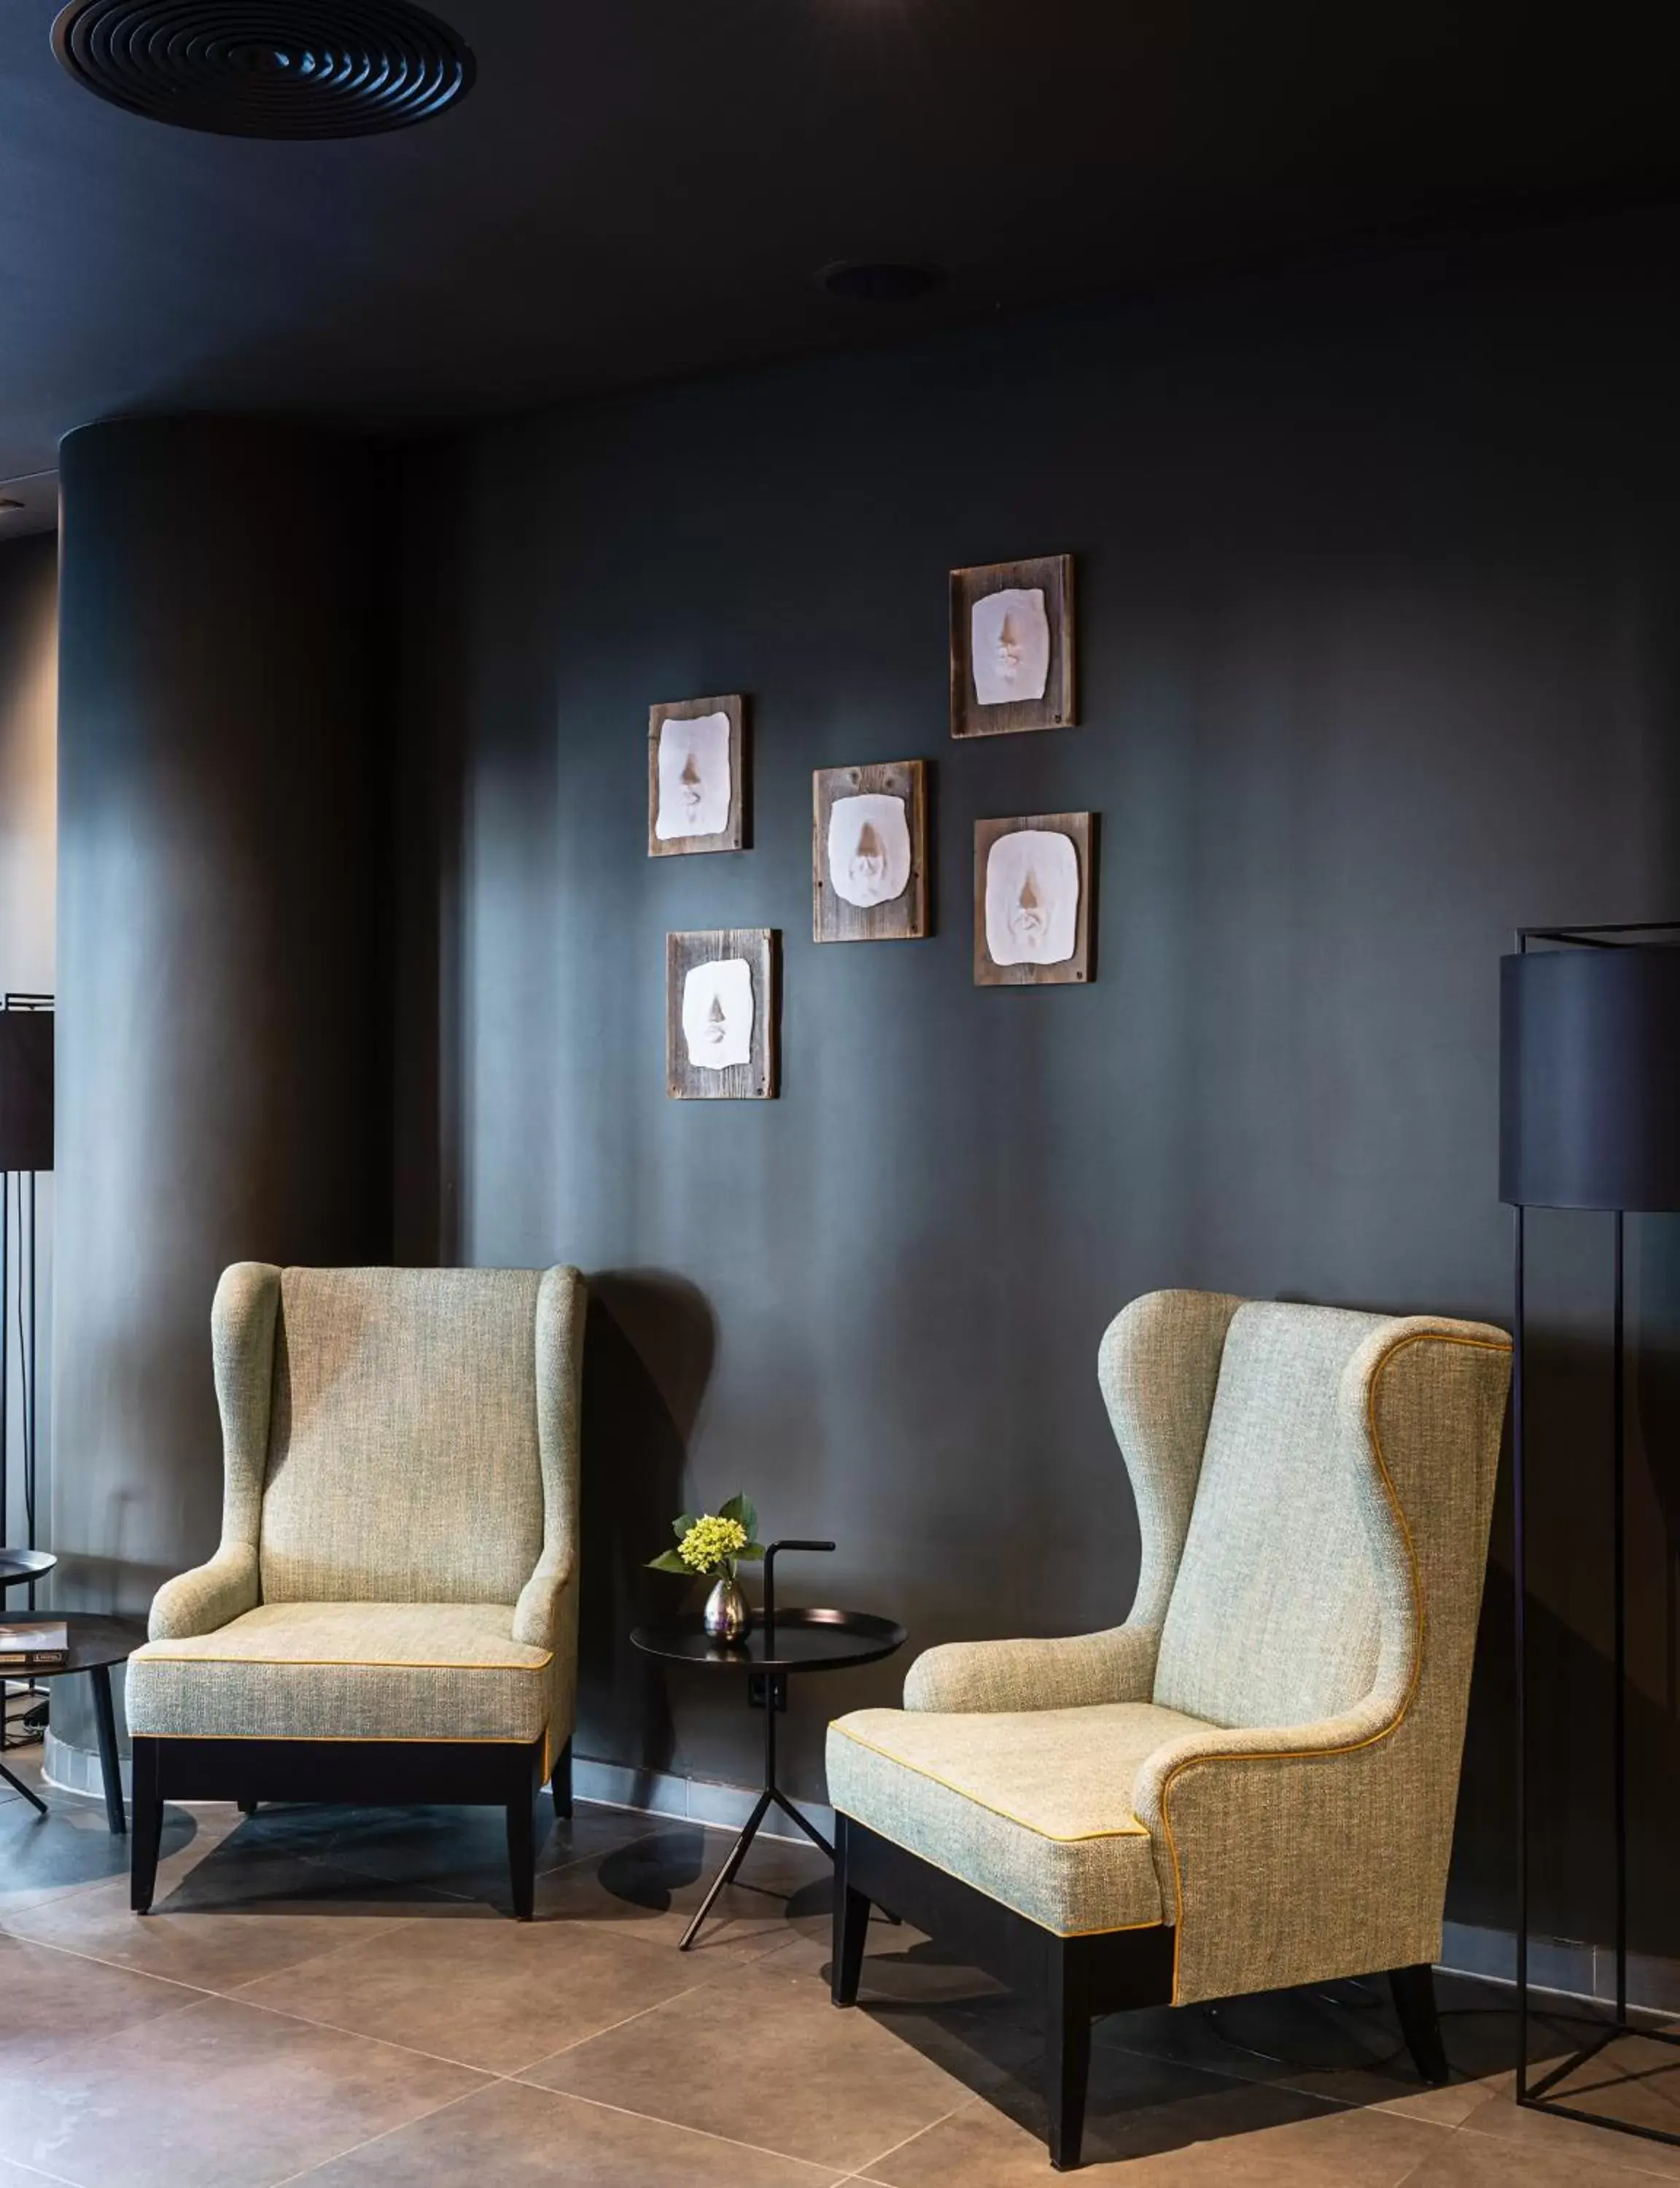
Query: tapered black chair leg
{"points": [[1067, 2064], [560, 1781], [146, 1836], [1414, 2001], [851, 1927], [247, 1808], [522, 1856], [527, 1785]]}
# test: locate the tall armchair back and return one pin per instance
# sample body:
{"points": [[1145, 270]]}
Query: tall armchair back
{"points": [[385, 1430], [1292, 1547]]}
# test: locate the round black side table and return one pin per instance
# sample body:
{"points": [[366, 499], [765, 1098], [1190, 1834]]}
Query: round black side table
{"points": [[96, 1643], [771, 1652]]}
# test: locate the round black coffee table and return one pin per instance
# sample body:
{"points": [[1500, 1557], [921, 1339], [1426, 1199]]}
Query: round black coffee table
{"points": [[769, 1654], [96, 1643]]}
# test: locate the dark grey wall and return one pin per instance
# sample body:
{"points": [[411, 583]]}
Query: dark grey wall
{"points": [[1377, 585], [222, 879]]}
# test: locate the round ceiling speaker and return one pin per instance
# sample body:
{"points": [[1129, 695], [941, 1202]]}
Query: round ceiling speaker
{"points": [[266, 67]]}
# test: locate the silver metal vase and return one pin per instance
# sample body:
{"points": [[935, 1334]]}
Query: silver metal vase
{"points": [[726, 1618]]}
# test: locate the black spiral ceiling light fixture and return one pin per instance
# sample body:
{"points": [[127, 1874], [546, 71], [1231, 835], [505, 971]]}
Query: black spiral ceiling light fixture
{"points": [[266, 67]]}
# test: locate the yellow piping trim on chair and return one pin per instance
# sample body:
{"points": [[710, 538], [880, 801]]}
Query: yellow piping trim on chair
{"points": [[1371, 1740], [360, 1739], [342, 1663], [1056, 1838]]}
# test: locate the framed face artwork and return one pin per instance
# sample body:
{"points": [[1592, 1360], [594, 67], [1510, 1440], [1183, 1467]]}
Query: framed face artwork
{"points": [[869, 852], [1035, 880], [720, 1015], [696, 775], [1011, 647]]}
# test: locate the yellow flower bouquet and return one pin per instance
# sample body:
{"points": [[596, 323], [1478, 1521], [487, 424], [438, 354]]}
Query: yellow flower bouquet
{"points": [[712, 1541]]}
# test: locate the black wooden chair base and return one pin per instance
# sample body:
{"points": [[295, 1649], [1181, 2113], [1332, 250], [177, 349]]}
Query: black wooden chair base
{"points": [[385, 1774], [1074, 1980]]}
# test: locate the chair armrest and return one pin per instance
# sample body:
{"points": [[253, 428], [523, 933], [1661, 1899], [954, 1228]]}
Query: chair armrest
{"points": [[1118, 1666], [1296, 1853], [208, 1597], [537, 1617]]}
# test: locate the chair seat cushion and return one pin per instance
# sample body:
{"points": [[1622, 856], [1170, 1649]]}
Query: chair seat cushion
{"points": [[1031, 1807], [346, 1671]]}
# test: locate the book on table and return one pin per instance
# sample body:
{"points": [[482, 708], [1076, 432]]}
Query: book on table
{"points": [[42, 1645]]}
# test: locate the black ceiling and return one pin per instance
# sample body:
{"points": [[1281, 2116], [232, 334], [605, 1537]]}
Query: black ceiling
{"points": [[642, 188]]}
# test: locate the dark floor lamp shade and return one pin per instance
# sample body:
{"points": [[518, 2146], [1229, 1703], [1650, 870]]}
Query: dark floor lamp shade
{"points": [[1590, 1078], [25, 1089]]}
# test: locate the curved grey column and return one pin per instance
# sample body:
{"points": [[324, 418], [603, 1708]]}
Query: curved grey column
{"points": [[220, 1066]]}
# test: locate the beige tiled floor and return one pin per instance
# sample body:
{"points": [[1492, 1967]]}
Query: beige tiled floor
{"points": [[337, 2000]]}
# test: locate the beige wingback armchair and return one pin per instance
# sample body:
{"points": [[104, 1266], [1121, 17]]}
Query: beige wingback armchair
{"points": [[393, 1613], [1252, 1782]]}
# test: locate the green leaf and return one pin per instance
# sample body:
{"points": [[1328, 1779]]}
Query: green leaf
{"points": [[740, 1508], [667, 1561], [681, 1524], [751, 1554]]}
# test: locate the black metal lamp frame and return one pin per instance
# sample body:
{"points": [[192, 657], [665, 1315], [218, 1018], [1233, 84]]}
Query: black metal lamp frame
{"points": [[28, 1301], [1537, 2095]]}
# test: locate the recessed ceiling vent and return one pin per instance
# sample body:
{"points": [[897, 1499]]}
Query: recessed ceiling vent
{"points": [[266, 67]]}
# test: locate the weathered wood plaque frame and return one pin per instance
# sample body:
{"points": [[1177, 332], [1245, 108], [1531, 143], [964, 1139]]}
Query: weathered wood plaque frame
{"points": [[755, 1080], [1081, 966], [1058, 709], [736, 835], [903, 918]]}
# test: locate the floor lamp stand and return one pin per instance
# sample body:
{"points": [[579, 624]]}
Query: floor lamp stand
{"points": [[20, 1305], [1556, 1164]]}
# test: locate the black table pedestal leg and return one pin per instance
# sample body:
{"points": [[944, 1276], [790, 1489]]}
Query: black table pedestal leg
{"points": [[804, 1822], [29, 1792], [110, 1767], [737, 1855]]}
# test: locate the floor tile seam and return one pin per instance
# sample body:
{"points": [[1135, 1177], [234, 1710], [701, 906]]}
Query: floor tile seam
{"points": [[309, 2172], [519, 2073], [200, 1989], [1623, 2147], [55, 1895], [327, 1952], [195, 1991], [970, 2099], [730, 2141], [59, 2180], [361, 2036]]}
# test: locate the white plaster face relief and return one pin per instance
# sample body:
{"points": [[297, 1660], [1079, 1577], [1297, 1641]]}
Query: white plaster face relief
{"points": [[1032, 898], [1009, 647], [718, 1013], [869, 849], [693, 777]]}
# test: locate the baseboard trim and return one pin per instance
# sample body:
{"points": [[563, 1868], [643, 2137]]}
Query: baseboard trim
{"points": [[688, 1800], [1571, 1967]]}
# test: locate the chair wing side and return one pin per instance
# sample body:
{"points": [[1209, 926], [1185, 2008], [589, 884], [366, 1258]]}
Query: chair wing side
{"points": [[547, 1606], [1267, 1839], [243, 1322], [1158, 1369]]}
